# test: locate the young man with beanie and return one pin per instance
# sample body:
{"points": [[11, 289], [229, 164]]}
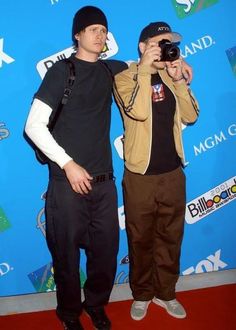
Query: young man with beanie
{"points": [[155, 100], [81, 202]]}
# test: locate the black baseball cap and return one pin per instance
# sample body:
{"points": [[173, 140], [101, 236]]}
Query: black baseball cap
{"points": [[157, 28]]}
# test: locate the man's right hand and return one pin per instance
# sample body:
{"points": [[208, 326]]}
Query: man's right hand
{"points": [[151, 53], [78, 177]]}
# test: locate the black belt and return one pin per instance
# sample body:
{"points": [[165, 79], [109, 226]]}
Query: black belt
{"points": [[102, 177]]}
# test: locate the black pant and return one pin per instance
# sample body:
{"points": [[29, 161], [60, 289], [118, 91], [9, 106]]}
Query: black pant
{"points": [[75, 221]]}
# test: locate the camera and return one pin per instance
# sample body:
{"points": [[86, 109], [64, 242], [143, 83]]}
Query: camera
{"points": [[169, 51]]}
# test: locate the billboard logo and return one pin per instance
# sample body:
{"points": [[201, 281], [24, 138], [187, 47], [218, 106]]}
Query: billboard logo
{"points": [[185, 8], [211, 201], [231, 54], [110, 49], [4, 222]]}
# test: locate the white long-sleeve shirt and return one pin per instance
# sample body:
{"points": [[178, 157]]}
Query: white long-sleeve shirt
{"points": [[37, 130]]}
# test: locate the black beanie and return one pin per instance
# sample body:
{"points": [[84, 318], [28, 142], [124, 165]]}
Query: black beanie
{"points": [[86, 16]]}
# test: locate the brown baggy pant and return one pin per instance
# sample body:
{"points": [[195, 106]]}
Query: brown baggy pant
{"points": [[154, 209]]}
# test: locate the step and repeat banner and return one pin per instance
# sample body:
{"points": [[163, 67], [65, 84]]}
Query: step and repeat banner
{"points": [[36, 34]]}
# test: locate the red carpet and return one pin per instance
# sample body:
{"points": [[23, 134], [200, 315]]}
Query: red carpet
{"points": [[207, 309]]}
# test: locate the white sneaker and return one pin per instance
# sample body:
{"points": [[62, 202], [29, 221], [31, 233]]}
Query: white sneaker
{"points": [[139, 309], [173, 307]]}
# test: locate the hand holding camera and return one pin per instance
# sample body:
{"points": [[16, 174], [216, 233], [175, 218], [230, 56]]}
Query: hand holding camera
{"points": [[174, 69], [161, 51]]}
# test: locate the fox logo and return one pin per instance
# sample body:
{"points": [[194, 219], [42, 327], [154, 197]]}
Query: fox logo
{"points": [[3, 56]]}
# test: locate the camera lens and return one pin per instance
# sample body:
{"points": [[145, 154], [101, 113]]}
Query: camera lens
{"points": [[170, 52], [173, 53]]}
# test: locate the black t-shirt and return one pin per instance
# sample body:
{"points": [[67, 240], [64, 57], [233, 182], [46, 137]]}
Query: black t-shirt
{"points": [[83, 126], [164, 157]]}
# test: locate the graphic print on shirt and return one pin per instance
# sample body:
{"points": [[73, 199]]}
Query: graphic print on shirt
{"points": [[158, 93]]}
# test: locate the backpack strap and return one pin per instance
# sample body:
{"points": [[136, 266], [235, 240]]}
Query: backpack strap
{"points": [[66, 94], [70, 81]]}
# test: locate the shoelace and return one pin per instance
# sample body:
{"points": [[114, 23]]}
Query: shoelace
{"points": [[173, 303], [140, 305]]}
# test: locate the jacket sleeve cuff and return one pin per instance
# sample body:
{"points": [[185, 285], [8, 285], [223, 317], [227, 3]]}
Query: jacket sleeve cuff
{"points": [[144, 69], [181, 88]]}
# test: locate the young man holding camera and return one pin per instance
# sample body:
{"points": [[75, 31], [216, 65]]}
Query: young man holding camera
{"points": [[154, 99]]}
